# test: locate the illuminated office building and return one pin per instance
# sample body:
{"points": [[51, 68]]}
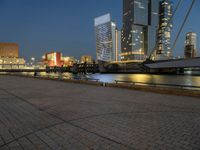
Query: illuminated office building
{"points": [[118, 45], [9, 56], [10, 50], [140, 23], [191, 45], [108, 39], [164, 32]]}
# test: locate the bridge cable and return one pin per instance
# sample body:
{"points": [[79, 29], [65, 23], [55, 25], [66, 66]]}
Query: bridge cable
{"points": [[183, 24]]}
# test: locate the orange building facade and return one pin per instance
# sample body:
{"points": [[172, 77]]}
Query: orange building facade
{"points": [[10, 50], [55, 59]]}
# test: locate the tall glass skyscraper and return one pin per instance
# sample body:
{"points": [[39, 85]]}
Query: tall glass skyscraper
{"points": [[164, 31], [140, 23], [108, 39], [191, 45]]}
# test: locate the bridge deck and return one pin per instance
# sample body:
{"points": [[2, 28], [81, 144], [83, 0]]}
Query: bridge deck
{"points": [[177, 63]]}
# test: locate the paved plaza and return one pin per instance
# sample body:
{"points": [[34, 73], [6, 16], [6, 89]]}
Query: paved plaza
{"points": [[45, 114]]}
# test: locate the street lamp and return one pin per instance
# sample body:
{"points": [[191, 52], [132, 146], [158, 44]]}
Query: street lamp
{"points": [[32, 61]]}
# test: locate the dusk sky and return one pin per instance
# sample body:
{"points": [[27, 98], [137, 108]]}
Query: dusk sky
{"points": [[67, 26]]}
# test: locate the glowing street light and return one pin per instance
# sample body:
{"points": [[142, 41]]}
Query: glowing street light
{"points": [[33, 59]]}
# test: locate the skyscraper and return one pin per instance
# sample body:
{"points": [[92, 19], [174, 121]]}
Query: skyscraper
{"points": [[107, 39], [191, 45], [163, 48], [140, 22], [117, 42]]}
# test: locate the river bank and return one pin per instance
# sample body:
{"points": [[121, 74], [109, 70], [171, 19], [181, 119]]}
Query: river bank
{"points": [[171, 89]]}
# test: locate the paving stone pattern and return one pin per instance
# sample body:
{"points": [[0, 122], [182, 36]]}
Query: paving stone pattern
{"points": [[42, 114]]}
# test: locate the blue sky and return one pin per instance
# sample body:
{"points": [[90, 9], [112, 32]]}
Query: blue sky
{"points": [[67, 26]]}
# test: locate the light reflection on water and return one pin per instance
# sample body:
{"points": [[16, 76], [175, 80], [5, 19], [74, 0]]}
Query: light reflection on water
{"points": [[146, 78]]}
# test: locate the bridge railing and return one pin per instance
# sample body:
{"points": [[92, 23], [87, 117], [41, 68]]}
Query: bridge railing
{"points": [[158, 84]]}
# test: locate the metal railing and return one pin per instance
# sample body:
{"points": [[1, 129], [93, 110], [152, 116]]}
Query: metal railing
{"points": [[87, 79], [159, 84], [48, 76], [92, 79], [69, 78]]}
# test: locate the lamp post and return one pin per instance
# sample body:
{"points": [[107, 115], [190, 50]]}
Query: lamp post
{"points": [[32, 61]]}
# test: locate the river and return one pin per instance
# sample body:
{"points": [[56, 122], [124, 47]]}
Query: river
{"points": [[189, 80]]}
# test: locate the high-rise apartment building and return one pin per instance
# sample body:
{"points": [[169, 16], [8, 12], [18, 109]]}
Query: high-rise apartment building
{"points": [[163, 48], [140, 23], [107, 39], [117, 50], [191, 45]]}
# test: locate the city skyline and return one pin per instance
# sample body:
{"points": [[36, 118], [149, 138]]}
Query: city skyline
{"points": [[39, 27]]}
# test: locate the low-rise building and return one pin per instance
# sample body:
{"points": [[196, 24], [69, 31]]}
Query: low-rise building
{"points": [[56, 59], [11, 63], [52, 59], [86, 58], [68, 61], [9, 56], [9, 50]]}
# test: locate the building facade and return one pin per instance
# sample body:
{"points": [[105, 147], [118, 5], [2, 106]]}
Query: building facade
{"points": [[107, 39], [12, 63], [68, 61], [117, 50], [9, 56], [163, 48], [10, 50], [86, 58], [140, 23], [56, 59], [191, 45], [53, 59]]}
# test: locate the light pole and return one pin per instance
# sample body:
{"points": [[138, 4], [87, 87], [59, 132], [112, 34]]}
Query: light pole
{"points": [[32, 61]]}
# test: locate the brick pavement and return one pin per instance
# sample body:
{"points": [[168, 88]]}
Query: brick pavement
{"points": [[41, 114]]}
